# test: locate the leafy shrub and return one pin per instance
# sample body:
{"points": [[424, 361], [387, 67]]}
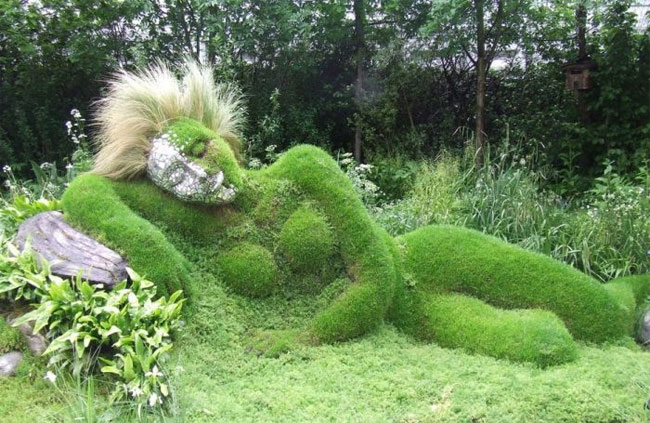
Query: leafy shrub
{"points": [[21, 208], [249, 269], [126, 328], [393, 175], [306, 240], [359, 175]]}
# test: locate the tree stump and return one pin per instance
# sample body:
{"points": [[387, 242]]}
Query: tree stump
{"points": [[69, 251]]}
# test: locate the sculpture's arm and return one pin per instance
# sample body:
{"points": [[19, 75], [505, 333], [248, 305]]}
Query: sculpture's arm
{"points": [[364, 247], [91, 204]]}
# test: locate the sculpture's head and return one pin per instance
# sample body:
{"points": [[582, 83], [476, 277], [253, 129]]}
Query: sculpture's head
{"points": [[182, 133]]}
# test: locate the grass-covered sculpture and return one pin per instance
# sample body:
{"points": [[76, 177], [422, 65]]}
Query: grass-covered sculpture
{"points": [[299, 222]]}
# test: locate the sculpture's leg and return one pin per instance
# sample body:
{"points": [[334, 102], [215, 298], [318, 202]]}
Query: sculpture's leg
{"points": [[458, 321], [91, 204], [363, 245], [631, 291], [451, 259]]}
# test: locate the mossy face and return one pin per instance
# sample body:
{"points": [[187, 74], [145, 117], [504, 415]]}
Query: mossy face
{"points": [[306, 240], [249, 269], [206, 148]]}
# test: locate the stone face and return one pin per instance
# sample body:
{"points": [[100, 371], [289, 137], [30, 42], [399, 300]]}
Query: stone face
{"points": [[69, 251], [186, 180], [9, 363]]}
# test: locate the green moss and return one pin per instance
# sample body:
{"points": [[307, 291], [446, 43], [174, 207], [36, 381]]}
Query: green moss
{"points": [[249, 269], [535, 336], [220, 157], [637, 286], [304, 205], [452, 259], [203, 224], [189, 135], [363, 248], [272, 344], [206, 148], [10, 338], [306, 241], [91, 204]]}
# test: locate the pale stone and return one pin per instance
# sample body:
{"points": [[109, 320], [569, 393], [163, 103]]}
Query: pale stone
{"points": [[9, 363]]}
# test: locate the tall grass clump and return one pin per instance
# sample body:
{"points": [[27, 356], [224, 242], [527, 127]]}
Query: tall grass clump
{"points": [[139, 105], [605, 231]]}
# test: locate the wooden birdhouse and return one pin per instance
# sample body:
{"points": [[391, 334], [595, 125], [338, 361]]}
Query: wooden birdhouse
{"points": [[577, 74]]}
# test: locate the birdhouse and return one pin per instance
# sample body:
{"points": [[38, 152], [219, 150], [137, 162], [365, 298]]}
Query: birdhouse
{"points": [[577, 74]]}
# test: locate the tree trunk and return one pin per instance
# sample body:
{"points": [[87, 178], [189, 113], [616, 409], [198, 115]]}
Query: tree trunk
{"points": [[581, 19], [480, 82], [359, 36], [581, 38]]}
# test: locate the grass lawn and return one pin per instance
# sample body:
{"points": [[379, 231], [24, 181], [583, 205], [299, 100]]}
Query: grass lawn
{"points": [[383, 377]]}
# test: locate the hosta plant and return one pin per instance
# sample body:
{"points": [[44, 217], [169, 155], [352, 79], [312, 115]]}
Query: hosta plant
{"points": [[127, 329]]}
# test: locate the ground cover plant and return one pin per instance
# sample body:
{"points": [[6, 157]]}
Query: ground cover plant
{"points": [[438, 283]]}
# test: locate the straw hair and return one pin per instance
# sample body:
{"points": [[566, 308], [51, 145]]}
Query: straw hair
{"points": [[139, 105]]}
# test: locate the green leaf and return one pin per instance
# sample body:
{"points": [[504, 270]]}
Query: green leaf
{"points": [[129, 374], [111, 369]]}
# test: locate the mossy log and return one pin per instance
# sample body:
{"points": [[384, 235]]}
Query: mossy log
{"points": [[69, 251]]}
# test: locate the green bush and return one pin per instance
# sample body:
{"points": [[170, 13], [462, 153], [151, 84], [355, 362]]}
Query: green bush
{"points": [[452, 259], [306, 240], [10, 338], [249, 269]]}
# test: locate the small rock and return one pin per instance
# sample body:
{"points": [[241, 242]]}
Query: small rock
{"points": [[9, 363], [643, 331], [35, 341]]}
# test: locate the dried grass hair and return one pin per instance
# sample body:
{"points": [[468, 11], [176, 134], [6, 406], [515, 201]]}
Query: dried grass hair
{"points": [[138, 106]]}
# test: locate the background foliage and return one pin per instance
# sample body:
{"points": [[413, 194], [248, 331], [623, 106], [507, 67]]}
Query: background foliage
{"points": [[296, 62]]}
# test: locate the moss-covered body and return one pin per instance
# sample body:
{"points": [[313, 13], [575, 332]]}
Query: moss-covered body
{"points": [[300, 220]]}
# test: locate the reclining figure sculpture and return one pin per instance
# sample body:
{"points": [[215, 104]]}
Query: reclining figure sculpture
{"points": [[167, 176]]}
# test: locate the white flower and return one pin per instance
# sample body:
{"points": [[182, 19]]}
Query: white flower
{"points": [[75, 113], [50, 376], [6, 168], [155, 372], [69, 166], [45, 165], [68, 124], [522, 161], [154, 399], [136, 392]]}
